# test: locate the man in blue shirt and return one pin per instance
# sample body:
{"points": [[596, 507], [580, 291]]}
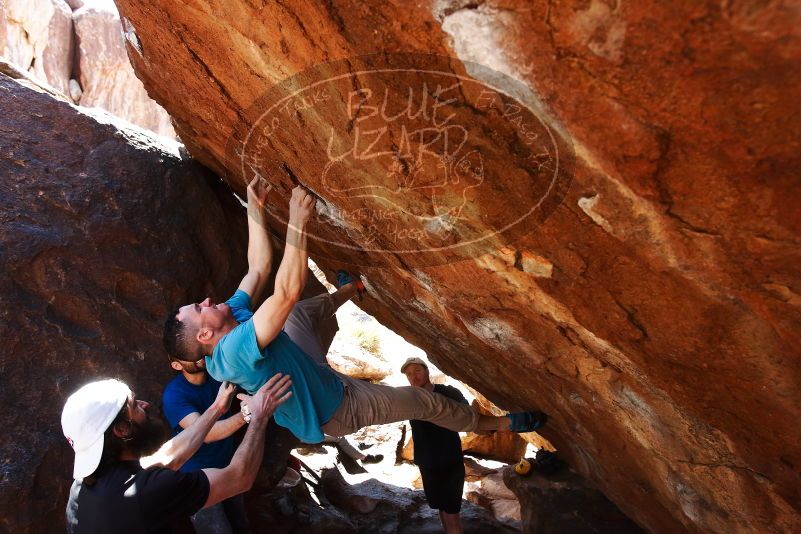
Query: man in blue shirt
{"points": [[185, 398], [247, 347]]}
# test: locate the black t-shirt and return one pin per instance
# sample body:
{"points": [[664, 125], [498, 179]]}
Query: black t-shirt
{"points": [[436, 447], [129, 499]]}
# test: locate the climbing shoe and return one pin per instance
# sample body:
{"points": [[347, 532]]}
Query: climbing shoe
{"points": [[344, 278], [527, 421], [372, 458]]}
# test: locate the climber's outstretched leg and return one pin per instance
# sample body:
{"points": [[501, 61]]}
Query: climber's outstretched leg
{"points": [[368, 404]]}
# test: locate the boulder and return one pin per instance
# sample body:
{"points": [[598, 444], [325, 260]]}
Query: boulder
{"points": [[356, 362], [502, 446], [103, 229], [474, 471], [37, 36], [77, 48], [407, 451], [507, 447], [647, 297], [373, 506], [107, 79], [486, 406], [565, 502], [490, 492]]}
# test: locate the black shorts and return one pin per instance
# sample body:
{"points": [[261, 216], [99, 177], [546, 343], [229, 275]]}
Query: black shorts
{"points": [[443, 487]]}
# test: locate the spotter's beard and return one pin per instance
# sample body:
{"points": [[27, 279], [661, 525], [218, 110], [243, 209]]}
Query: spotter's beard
{"points": [[148, 437]]}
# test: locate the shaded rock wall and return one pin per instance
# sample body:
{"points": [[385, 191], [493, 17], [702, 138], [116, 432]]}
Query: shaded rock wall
{"points": [[102, 231], [655, 314], [565, 502], [77, 47]]}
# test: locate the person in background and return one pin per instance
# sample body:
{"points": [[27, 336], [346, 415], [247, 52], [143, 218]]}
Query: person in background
{"points": [[185, 398], [438, 452]]}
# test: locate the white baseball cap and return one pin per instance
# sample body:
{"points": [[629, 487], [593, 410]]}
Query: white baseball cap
{"points": [[86, 416], [410, 361]]}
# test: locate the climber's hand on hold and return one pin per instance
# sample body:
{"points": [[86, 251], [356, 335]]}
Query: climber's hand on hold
{"points": [[301, 207], [258, 190]]}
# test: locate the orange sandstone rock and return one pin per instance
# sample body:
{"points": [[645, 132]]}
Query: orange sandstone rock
{"points": [[664, 342]]}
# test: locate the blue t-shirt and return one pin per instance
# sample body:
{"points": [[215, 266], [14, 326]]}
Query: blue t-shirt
{"points": [[182, 398], [316, 391]]}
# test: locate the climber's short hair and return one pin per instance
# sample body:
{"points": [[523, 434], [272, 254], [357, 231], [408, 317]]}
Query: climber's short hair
{"points": [[178, 343]]}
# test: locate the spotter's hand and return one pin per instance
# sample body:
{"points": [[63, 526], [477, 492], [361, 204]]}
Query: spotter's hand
{"points": [[224, 396], [270, 396]]}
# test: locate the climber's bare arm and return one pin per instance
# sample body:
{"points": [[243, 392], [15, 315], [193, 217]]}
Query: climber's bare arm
{"points": [[260, 248], [290, 279]]}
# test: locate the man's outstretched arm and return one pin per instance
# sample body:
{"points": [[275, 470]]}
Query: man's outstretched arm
{"points": [[260, 248], [182, 447], [221, 429], [290, 279], [240, 474]]}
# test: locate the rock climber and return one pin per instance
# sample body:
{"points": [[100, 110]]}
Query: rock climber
{"points": [[191, 392], [247, 347]]}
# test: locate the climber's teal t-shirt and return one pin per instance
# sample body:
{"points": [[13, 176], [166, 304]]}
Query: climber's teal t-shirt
{"points": [[316, 391]]}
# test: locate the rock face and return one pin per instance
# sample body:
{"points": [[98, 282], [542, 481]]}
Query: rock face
{"points": [[80, 53], [37, 35], [651, 308], [102, 231], [565, 502], [359, 364], [106, 78]]}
